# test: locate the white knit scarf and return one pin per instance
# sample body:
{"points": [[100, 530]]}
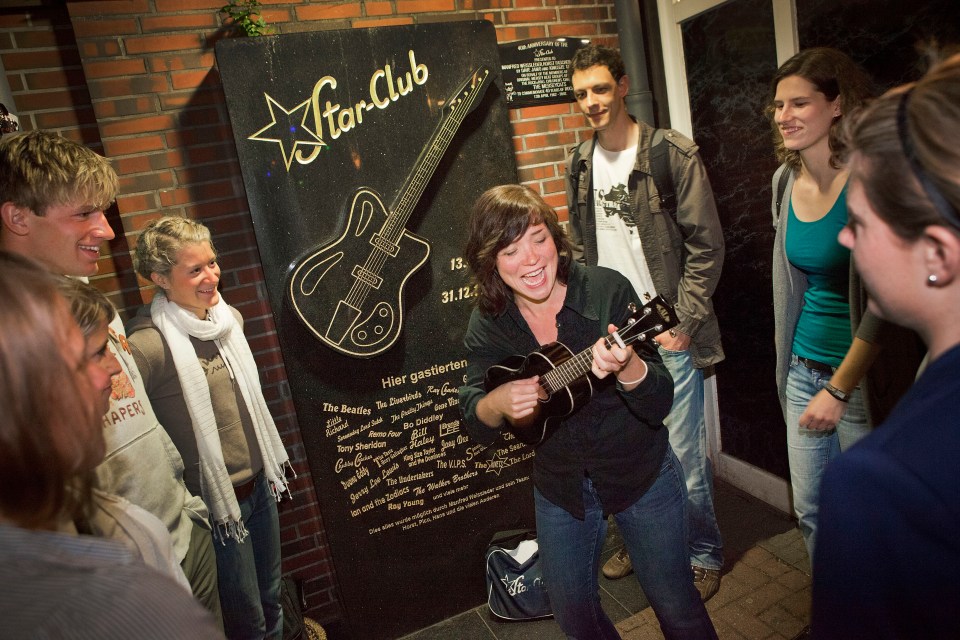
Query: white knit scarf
{"points": [[177, 325]]}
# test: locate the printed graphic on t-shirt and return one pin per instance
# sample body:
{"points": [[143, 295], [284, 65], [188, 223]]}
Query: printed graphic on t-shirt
{"points": [[120, 387], [616, 202]]}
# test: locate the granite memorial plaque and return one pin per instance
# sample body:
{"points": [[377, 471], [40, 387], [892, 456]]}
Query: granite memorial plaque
{"points": [[535, 71]]}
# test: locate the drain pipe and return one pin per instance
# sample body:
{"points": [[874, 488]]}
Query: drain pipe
{"points": [[630, 33]]}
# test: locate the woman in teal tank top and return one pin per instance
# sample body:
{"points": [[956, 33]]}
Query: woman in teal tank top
{"points": [[821, 358]]}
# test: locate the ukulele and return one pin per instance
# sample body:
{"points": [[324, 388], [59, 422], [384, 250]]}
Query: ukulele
{"points": [[564, 381], [349, 293]]}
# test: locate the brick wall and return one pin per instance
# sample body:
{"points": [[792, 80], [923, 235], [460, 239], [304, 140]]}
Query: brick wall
{"points": [[137, 80]]}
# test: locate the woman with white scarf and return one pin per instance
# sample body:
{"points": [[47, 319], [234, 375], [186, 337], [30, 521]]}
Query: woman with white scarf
{"points": [[203, 383]]}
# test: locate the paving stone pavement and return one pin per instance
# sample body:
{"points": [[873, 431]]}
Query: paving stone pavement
{"points": [[764, 595]]}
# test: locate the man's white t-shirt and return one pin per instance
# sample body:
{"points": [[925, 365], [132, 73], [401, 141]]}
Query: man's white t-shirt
{"points": [[618, 241]]}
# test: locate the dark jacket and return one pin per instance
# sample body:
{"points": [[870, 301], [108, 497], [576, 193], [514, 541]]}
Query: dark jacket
{"points": [[684, 254], [617, 438]]}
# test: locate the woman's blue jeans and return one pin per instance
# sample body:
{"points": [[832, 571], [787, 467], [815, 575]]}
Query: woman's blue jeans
{"points": [[809, 451], [654, 532], [249, 572]]}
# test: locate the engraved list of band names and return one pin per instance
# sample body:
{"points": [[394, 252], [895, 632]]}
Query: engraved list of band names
{"points": [[404, 461]]}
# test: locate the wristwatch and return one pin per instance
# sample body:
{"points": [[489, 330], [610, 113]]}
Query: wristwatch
{"points": [[842, 396]]}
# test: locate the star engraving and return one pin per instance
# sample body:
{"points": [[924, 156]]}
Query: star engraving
{"points": [[290, 131], [498, 462]]}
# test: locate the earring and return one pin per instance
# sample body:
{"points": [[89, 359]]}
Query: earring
{"points": [[931, 280]]}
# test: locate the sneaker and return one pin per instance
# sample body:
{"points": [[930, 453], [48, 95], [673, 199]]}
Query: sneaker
{"points": [[707, 581], [619, 566]]}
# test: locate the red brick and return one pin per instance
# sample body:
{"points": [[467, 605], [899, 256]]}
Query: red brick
{"points": [[118, 107], [481, 5], [530, 174], [172, 6], [58, 79], [573, 30], [52, 100], [544, 110], [556, 199], [509, 34], [137, 223], [16, 83], [195, 79], [22, 60], [97, 28], [378, 8], [540, 156], [527, 127], [146, 182], [114, 68], [35, 39], [179, 22], [329, 11], [12, 21], [139, 144], [135, 86], [185, 99], [130, 126], [208, 172], [156, 44], [196, 193], [107, 7], [88, 136], [575, 122], [424, 6], [181, 61], [100, 48], [539, 16], [583, 14], [564, 139], [148, 162], [70, 118], [554, 186], [135, 203]]}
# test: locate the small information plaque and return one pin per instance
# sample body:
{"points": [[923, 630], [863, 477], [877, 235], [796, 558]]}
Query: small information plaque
{"points": [[535, 71]]}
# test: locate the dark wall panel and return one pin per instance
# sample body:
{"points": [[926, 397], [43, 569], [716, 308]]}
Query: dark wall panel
{"points": [[362, 152], [730, 56]]}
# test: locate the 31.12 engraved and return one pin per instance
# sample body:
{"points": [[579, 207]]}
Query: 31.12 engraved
{"points": [[460, 293]]}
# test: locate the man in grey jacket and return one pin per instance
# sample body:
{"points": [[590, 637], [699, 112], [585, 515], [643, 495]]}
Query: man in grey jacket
{"points": [[617, 220], [53, 193]]}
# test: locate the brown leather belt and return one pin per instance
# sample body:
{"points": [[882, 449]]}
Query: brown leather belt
{"points": [[813, 365], [244, 490]]}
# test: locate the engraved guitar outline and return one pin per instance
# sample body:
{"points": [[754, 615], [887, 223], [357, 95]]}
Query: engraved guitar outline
{"points": [[367, 315]]}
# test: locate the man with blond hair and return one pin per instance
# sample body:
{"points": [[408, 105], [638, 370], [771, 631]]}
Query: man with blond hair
{"points": [[53, 193]]}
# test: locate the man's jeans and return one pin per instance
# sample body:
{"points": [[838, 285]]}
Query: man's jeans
{"points": [[249, 572], [809, 451], [688, 438], [653, 529]]}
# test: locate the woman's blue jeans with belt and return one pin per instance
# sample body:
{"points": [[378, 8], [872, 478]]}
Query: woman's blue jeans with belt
{"points": [[654, 531], [249, 572], [809, 451]]}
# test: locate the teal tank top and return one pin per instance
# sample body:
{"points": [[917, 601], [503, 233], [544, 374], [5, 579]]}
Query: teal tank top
{"points": [[823, 329]]}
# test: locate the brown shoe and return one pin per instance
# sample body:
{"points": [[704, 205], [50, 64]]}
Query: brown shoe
{"points": [[619, 566], [707, 581]]}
